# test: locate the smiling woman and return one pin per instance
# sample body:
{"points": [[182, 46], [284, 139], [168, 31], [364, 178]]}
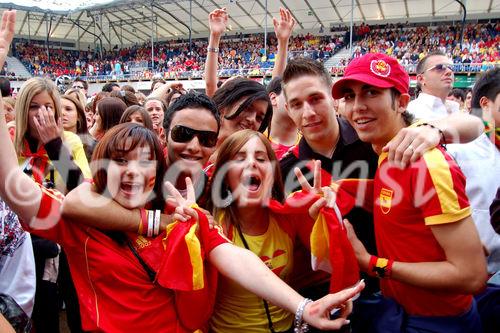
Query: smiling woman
{"points": [[247, 181], [243, 104], [127, 163]]}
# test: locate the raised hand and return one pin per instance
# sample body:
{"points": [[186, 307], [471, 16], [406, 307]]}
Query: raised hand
{"points": [[327, 194], [183, 210], [6, 34], [318, 313], [284, 26], [46, 126], [217, 21], [306, 187]]}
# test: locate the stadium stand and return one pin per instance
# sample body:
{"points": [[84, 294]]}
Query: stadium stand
{"points": [[244, 54]]}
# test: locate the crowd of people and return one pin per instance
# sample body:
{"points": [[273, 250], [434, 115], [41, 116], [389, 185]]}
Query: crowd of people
{"points": [[410, 44], [239, 53], [245, 55], [249, 208]]}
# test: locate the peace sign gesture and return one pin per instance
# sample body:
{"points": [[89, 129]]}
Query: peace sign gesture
{"points": [[6, 34], [306, 187], [183, 210], [328, 195]]}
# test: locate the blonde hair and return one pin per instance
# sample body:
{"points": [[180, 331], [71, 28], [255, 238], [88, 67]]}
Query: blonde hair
{"points": [[29, 90], [9, 100]]}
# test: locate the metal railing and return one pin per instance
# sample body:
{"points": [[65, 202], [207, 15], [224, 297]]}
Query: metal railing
{"points": [[141, 73]]}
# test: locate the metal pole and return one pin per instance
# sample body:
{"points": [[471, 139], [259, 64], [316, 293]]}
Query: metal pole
{"points": [[109, 36], [350, 35], [47, 38], [464, 16], [190, 23], [29, 28], [95, 38], [152, 39], [78, 33], [265, 33]]}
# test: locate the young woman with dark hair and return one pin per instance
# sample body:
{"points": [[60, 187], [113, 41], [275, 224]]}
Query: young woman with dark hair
{"points": [[109, 111], [137, 114], [74, 120], [243, 104]]}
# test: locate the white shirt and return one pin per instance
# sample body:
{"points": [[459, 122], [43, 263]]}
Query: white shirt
{"points": [[430, 107], [17, 263], [479, 161]]}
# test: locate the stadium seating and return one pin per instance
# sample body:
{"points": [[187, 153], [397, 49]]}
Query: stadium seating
{"points": [[244, 54]]}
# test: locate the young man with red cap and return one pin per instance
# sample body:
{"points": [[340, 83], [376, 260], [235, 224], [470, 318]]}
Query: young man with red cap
{"points": [[430, 256], [307, 88]]}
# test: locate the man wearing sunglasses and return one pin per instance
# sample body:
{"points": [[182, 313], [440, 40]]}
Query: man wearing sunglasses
{"points": [[435, 77], [191, 126]]}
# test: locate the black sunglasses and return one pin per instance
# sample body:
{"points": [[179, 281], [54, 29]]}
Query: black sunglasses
{"points": [[77, 87], [440, 67], [184, 134]]}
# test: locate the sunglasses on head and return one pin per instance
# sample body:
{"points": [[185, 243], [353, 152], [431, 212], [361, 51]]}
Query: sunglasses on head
{"points": [[77, 87], [184, 134], [440, 67]]}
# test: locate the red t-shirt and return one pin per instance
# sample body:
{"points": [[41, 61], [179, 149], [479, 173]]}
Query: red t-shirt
{"points": [[114, 291], [281, 149], [407, 202]]}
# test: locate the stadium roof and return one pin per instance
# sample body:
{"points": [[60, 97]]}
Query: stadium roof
{"points": [[127, 21]]}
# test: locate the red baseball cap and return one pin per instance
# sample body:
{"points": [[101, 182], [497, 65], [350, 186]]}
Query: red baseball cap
{"points": [[376, 69]]}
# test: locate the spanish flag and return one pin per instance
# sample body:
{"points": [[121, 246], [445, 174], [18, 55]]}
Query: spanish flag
{"points": [[331, 250], [185, 269]]}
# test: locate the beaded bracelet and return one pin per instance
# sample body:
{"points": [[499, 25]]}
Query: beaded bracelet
{"points": [[213, 49], [299, 325], [443, 138]]}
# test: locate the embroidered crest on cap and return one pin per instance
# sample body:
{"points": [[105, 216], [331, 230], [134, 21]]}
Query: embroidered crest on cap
{"points": [[380, 68]]}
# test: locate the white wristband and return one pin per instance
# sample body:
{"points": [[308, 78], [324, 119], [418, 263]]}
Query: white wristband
{"points": [[150, 223], [156, 230]]}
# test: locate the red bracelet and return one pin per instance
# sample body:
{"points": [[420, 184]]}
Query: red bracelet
{"points": [[143, 224], [371, 266]]}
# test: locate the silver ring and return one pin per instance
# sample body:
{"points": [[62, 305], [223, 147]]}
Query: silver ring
{"points": [[411, 147]]}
